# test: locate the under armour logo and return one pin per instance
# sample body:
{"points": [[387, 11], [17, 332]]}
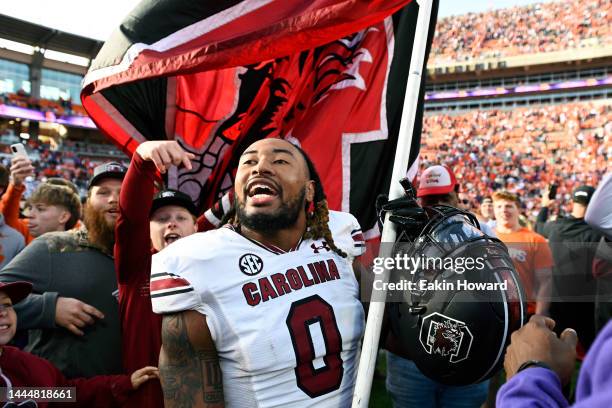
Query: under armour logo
{"points": [[316, 248]]}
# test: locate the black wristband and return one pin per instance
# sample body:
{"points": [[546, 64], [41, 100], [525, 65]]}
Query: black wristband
{"points": [[533, 363]]}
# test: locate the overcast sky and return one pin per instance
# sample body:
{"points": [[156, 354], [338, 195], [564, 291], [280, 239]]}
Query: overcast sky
{"points": [[97, 19]]}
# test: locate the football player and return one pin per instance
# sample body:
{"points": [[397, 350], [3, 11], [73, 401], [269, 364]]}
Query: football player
{"points": [[264, 311]]}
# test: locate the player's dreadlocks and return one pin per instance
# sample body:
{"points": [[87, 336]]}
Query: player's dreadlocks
{"points": [[317, 220]]}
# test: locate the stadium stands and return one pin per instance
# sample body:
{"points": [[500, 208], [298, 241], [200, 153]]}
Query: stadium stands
{"points": [[520, 141], [522, 149], [537, 28], [59, 108], [73, 161]]}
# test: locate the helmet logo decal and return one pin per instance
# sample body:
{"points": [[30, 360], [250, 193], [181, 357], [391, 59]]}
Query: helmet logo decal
{"points": [[447, 337]]}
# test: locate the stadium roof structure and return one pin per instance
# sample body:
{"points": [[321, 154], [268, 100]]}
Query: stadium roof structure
{"points": [[36, 35]]}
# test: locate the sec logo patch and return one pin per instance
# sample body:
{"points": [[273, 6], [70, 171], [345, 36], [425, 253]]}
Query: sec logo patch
{"points": [[250, 264]]}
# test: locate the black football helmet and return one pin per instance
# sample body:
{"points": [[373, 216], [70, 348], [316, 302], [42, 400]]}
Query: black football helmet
{"points": [[456, 333]]}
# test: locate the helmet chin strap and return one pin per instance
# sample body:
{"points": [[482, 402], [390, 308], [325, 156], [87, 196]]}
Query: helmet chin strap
{"points": [[417, 309]]}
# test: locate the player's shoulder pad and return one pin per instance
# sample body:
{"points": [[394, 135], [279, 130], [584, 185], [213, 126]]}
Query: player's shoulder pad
{"points": [[179, 273], [346, 232], [201, 245]]}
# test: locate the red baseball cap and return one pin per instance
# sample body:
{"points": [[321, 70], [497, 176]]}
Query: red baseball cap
{"points": [[436, 180], [16, 291]]}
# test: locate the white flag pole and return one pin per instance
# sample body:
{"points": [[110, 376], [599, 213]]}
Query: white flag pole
{"points": [[369, 350]]}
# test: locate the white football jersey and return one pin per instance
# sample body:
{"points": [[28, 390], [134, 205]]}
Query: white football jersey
{"points": [[287, 325]]}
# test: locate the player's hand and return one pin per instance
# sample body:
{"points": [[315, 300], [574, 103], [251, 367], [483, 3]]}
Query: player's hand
{"points": [[537, 341], [21, 167], [72, 314], [165, 153], [143, 375], [405, 212]]}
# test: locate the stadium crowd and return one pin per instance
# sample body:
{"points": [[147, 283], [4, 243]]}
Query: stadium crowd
{"points": [[536, 28], [124, 223], [66, 163], [98, 331], [60, 107], [522, 150]]}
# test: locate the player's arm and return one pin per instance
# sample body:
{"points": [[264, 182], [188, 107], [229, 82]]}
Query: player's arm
{"points": [[543, 278], [359, 270], [189, 367], [361, 273], [362, 279]]}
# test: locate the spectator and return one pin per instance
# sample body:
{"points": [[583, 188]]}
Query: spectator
{"points": [[53, 205], [439, 186], [52, 208], [405, 382], [573, 244], [11, 241], [580, 200], [21, 369], [529, 251], [144, 220], [487, 215], [21, 167], [464, 201], [538, 364], [4, 180], [74, 306], [63, 182]]}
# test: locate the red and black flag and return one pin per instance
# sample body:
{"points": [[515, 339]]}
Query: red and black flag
{"points": [[329, 75]]}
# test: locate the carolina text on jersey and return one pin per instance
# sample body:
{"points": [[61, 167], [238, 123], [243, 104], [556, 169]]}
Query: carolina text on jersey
{"points": [[292, 279]]}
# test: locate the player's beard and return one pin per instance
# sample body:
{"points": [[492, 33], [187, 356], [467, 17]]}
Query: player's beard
{"points": [[285, 217], [100, 232]]}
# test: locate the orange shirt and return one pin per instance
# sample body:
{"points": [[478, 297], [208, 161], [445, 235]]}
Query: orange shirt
{"points": [[10, 210], [529, 252]]}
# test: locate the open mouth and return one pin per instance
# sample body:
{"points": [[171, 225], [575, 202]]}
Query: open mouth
{"points": [[170, 238], [4, 326], [262, 191]]}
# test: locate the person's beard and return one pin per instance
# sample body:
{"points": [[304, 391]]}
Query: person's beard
{"points": [[100, 232], [286, 216]]}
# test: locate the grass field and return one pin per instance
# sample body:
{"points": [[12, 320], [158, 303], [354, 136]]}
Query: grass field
{"points": [[379, 397]]}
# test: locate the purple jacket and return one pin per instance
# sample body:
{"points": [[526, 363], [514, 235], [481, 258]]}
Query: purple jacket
{"points": [[539, 387]]}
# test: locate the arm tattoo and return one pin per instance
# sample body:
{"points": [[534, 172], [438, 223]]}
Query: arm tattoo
{"points": [[190, 374]]}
